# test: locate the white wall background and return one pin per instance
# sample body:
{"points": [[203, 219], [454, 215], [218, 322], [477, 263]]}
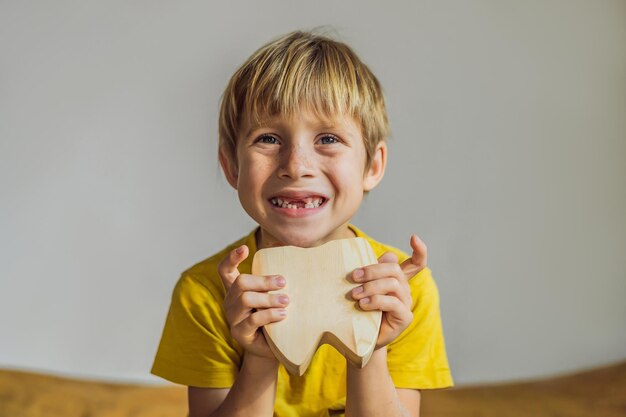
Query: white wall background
{"points": [[508, 159]]}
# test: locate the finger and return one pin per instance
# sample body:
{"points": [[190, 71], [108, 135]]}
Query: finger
{"points": [[419, 255], [248, 327], [377, 271], [227, 268], [388, 304], [237, 305], [260, 283], [257, 300], [384, 286], [238, 311], [418, 258]]}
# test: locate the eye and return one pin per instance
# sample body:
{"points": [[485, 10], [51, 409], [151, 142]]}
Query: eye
{"points": [[270, 140], [328, 140]]}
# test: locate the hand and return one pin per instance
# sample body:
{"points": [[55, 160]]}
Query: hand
{"points": [[386, 288], [248, 305]]}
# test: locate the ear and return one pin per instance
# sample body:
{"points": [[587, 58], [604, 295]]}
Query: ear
{"points": [[229, 166], [376, 170]]}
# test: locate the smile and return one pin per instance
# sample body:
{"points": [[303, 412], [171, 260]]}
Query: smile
{"points": [[298, 204]]}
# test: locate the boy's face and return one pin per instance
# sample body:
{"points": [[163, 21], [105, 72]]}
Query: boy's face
{"points": [[303, 178]]}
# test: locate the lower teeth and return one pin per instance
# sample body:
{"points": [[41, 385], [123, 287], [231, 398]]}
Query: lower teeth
{"points": [[291, 206]]}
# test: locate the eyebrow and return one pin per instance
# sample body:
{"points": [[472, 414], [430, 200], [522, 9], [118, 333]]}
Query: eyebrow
{"points": [[320, 126]]}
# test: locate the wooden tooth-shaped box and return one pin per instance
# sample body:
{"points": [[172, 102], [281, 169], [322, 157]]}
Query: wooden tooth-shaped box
{"points": [[320, 308]]}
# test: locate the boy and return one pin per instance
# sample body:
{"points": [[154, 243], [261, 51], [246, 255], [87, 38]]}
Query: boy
{"points": [[302, 133]]}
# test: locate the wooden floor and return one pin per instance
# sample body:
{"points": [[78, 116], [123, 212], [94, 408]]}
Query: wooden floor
{"points": [[597, 393]]}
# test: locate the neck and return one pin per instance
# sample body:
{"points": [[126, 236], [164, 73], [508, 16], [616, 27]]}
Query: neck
{"points": [[264, 239]]}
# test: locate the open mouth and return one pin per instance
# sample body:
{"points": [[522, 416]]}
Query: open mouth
{"points": [[303, 203]]}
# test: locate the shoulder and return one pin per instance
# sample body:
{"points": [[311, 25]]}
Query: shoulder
{"points": [[379, 247], [422, 284], [203, 276]]}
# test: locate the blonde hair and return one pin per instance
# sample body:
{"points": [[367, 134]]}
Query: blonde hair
{"points": [[303, 70]]}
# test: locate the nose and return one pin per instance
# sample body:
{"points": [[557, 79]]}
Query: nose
{"points": [[295, 162]]}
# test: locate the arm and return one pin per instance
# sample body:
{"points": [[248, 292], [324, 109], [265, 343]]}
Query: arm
{"points": [[370, 391], [247, 306], [252, 394]]}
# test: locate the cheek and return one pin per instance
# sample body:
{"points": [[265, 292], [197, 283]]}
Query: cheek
{"points": [[262, 168], [348, 175]]}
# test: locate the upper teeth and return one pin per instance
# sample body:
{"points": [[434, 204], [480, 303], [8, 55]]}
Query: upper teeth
{"points": [[308, 203]]}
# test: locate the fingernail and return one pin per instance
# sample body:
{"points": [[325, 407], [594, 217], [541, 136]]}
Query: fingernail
{"points": [[239, 250], [358, 290], [282, 312], [365, 300], [280, 281], [283, 299], [358, 274]]}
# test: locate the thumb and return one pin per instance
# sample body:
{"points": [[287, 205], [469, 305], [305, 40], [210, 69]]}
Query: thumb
{"points": [[417, 261], [227, 268]]}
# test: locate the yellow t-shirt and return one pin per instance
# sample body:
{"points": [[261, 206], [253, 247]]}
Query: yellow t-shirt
{"points": [[197, 349]]}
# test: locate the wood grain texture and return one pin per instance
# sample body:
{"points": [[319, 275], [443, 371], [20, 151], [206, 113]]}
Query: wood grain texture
{"points": [[596, 393], [320, 309], [599, 393], [26, 394]]}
